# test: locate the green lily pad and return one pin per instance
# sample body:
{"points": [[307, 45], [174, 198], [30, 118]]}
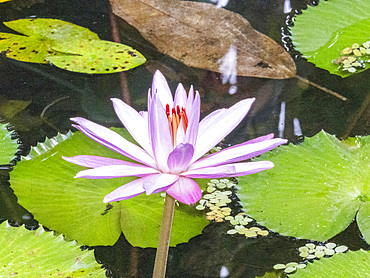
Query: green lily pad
{"points": [[44, 184], [38, 253], [315, 189], [96, 56], [350, 264], [8, 146], [68, 46], [39, 33], [346, 23]]}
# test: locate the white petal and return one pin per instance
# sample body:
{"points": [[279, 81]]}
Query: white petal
{"points": [[159, 133], [113, 141], [92, 161], [238, 153], [135, 124], [229, 170], [116, 171], [190, 100], [180, 97], [224, 125], [193, 124], [159, 182], [126, 191], [210, 119], [160, 87]]}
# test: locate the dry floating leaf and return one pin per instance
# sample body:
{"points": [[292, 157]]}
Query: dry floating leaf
{"points": [[200, 34]]}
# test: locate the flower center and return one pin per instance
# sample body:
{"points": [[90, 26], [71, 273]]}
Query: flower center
{"points": [[175, 116]]}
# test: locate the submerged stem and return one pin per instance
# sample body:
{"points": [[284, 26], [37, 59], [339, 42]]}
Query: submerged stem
{"points": [[321, 88], [164, 238]]}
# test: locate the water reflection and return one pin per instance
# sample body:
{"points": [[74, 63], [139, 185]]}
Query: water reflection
{"points": [[220, 3], [205, 255], [228, 69]]}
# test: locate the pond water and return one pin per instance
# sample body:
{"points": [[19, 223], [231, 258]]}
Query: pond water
{"points": [[58, 95]]}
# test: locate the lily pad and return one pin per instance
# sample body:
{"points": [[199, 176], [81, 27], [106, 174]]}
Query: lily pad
{"points": [[68, 46], [315, 189], [8, 146], [95, 56], [350, 264], [38, 253], [346, 23], [39, 33], [44, 184]]}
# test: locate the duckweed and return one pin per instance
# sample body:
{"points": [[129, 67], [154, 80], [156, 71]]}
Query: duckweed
{"points": [[311, 251], [216, 199], [354, 57], [290, 267]]}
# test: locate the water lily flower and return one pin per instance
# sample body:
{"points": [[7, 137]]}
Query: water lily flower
{"points": [[171, 145]]}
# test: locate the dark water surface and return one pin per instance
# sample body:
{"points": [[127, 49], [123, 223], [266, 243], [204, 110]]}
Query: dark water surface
{"points": [[88, 96]]}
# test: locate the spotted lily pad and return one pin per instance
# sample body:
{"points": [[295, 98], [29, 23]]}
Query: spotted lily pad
{"points": [[39, 35], [350, 264], [44, 184], [96, 56], [346, 23], [38, 253], [67, 46], [8, 146], [315, 189]]}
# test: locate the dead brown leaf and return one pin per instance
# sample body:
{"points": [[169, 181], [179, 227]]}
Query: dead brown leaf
{"points": [[200, 34]]}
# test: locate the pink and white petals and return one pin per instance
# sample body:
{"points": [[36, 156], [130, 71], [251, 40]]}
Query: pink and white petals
{"points": [[189, 103], [158, 182], [229, 170], [165, 163], [126, 191], [239, 152], [135, 124], [193, 124], [181, 97], [185, 190], [92, 161], [159, 134], [179, 159], [211, 136], [160, 88], [113, 141], [116, 171]]}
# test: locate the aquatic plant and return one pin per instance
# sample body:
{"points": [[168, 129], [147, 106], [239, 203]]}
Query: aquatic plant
{"points": [[26, 253], [173, 142], [67, 46], [346, 23], [324, 178], [8, 145]]}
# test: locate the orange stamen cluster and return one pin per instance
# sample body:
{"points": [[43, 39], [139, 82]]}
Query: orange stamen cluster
{"points": [[174, 119]]}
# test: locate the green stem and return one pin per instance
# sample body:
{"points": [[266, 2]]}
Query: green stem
{"points": [[164, 238]]}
